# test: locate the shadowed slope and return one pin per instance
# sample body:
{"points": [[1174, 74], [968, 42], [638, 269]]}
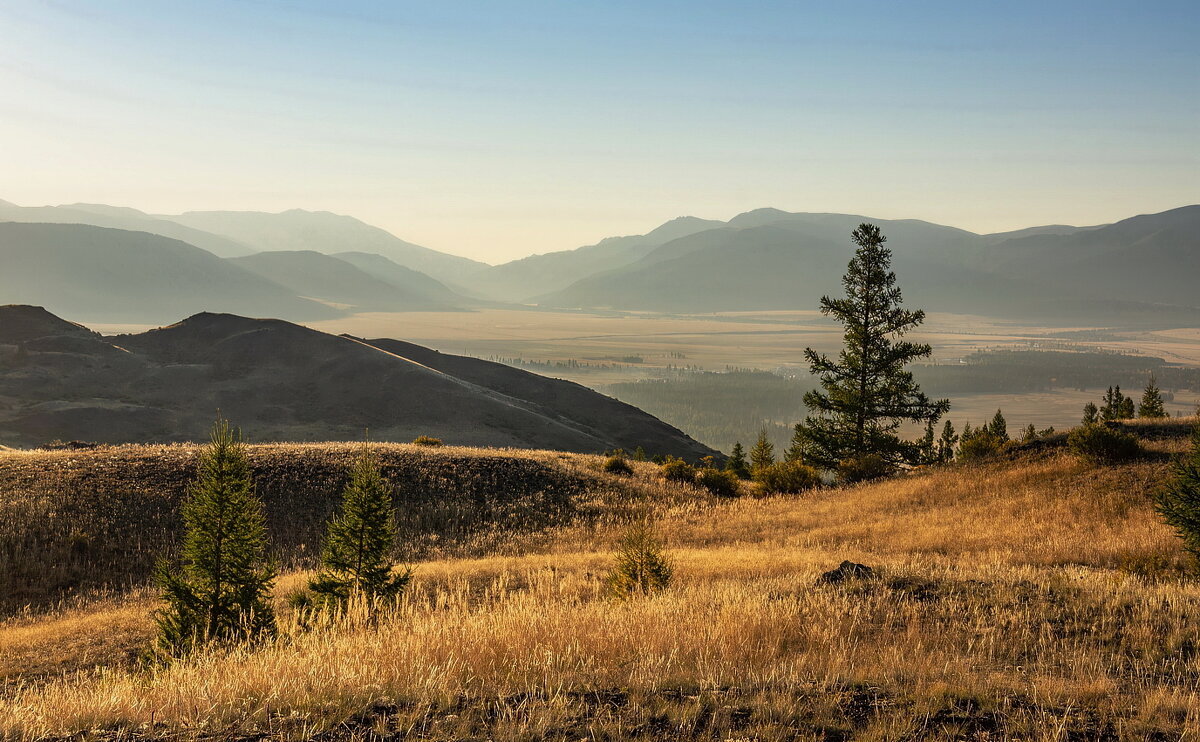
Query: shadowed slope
{"points": [[282, 381]]}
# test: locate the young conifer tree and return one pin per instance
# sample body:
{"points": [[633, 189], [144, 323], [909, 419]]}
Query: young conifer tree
{"points": [[866, 394], [1152, 402], [763, 453], [999, 427], [736, 464], [641, 566], [1091, 414], [1179, 501], [795, 451], [928, 444], [220, 590], [357, 558], [947, 442]]}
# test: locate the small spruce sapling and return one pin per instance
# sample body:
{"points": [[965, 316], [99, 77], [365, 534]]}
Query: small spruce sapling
{"points": [[641, 566], [763, 453], [357, 557], [1151, 405]]}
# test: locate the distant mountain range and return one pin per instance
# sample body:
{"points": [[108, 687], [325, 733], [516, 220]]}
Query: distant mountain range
{"points": [[307, 265], [1136, 270], [280, 381]]}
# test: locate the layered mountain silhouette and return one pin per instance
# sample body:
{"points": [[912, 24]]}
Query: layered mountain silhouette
{"points": [[340, 280], [281, 381], [1141, 268], [118, 217], [115, 275], [304, 265], [324, 232]]}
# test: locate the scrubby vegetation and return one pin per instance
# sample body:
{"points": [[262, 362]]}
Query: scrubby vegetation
{"points": [[719, 482], [1103, 444], [787, 478], [617, 464]]}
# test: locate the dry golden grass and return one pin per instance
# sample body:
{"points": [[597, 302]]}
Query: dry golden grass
{"points": [[1035, 599]]}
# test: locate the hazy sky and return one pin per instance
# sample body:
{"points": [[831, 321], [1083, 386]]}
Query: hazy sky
{"points": [[497, 129]]}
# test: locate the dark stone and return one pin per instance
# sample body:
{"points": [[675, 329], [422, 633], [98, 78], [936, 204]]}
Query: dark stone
{"points": [[847, 570]]}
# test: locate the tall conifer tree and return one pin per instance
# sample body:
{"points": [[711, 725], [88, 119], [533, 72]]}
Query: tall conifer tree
{"points": [[220, 589], [866, 394]]}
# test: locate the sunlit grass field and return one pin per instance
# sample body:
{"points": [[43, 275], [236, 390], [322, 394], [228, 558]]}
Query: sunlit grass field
{"points": [[1034, 597]]}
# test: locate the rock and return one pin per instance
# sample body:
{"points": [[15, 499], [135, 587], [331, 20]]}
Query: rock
{"points": [[847, 570]]}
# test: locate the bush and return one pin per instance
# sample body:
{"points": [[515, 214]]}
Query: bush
{"points": [[979, 446], [678, 470], [617, 465], [641, 567], [425, 440], [863, 469], [1101, 444], [720, 483], [787, 477]]}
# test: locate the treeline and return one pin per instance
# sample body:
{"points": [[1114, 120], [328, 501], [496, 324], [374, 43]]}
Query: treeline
{"points": [[1043, 370], [719, 409]]}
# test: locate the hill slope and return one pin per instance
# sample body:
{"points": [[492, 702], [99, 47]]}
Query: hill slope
{"points": [[113, 275], [333, 279], [541, 274], [285, 382], [324, 232]]}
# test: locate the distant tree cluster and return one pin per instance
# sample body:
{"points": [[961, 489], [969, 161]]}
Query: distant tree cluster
{"points": [[1116, 406]]}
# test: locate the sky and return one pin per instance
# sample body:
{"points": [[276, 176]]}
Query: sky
{"points": [[499, 129]]}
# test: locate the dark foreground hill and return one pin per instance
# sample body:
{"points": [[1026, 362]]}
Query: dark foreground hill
{"points": [[281, 381]]}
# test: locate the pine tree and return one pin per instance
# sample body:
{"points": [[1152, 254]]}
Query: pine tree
{"points": [[1116, 405], [220, 589], [641, 565], [999, 427], [1152, 402], [795, 451], [1179, 501], [1030, 434], [736, 464], [763, 453], [357, 558], [1091, 414], [927, 445], [947, 442], [867, 394]]}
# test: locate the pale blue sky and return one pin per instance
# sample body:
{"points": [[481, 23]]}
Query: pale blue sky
{"points": [[495, 129]]}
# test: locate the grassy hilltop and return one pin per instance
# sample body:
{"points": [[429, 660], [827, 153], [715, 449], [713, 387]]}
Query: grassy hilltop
{"points": [[1034, 596]]}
